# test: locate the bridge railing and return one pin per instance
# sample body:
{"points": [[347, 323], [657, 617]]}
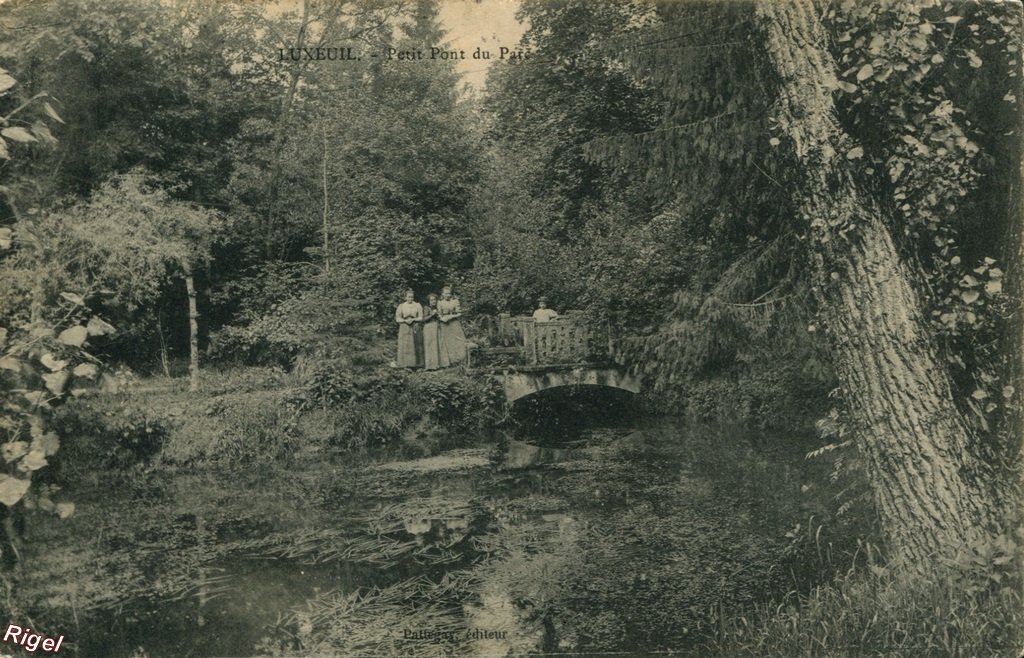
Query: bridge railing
{"points": [[520, 340]]}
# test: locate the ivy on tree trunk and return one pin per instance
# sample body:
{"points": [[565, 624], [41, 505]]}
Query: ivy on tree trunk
{"points": [[930, 489]]}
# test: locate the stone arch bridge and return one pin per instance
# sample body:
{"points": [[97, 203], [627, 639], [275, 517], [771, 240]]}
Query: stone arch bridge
{"points": [[531, 357]]}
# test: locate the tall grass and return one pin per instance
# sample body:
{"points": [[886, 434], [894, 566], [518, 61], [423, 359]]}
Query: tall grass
{"points": [[969, 607]]}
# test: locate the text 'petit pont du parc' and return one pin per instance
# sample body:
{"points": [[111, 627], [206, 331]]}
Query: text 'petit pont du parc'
{"points": [[347, 53]]}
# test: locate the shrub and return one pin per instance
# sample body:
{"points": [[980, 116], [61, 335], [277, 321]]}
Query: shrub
{"points": [[352, 409], [115, 437], [236, 428], [281, 333], [239, 346], [374, 426], [324, 388], [375, 408], [256, 431], [457, 402]]}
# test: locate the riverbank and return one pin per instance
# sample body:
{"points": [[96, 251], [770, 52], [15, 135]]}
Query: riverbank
{"points": [[267, 418]]}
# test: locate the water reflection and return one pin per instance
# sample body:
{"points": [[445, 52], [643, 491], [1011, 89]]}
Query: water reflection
{"points": [[621, 538], [523, 455]]}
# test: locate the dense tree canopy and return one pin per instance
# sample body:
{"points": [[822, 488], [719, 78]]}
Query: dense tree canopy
{"points": [[729, 144]]}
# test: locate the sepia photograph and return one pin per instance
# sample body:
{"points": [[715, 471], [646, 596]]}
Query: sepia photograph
{"points": [[500, 328]]}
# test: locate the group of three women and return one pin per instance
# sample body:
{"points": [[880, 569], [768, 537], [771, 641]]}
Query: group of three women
{"points": [[430, 336]]}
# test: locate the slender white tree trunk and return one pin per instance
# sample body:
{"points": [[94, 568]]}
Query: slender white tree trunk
{"points": [[323, 178], [164, 361], [193, 330]]}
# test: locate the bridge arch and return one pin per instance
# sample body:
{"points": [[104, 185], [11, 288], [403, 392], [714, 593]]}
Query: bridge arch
{"points": [[519, 384]]}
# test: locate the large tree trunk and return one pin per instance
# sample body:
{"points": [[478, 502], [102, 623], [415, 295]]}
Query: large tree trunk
{"points": [[930, 489], [193, 330]]}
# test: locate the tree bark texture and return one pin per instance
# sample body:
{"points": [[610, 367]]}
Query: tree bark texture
{"points": [[193, 330], [931, 492]]}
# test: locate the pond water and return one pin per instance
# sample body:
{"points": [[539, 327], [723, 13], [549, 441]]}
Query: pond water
{"points": [[619, 537]]}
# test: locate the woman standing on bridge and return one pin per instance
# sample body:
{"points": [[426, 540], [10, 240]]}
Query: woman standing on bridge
{"points": [[408, 316], [452, 341], [431, 334]]}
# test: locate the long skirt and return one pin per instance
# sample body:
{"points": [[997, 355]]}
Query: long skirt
{"points": [[431, 345], [452, 343], [410, 353]]}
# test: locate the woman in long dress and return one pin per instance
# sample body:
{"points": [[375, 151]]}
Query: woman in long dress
{"points": [[408, 316], [431, 335], [452, 341]]}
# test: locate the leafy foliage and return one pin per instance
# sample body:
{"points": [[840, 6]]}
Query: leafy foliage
{"points": [[925, 89], [127, 239], [164, 102], [656, 226], [308, 322], [39, 366]]}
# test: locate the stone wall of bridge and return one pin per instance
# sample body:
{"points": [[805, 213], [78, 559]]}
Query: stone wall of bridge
{"points": [[519, 384]]}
